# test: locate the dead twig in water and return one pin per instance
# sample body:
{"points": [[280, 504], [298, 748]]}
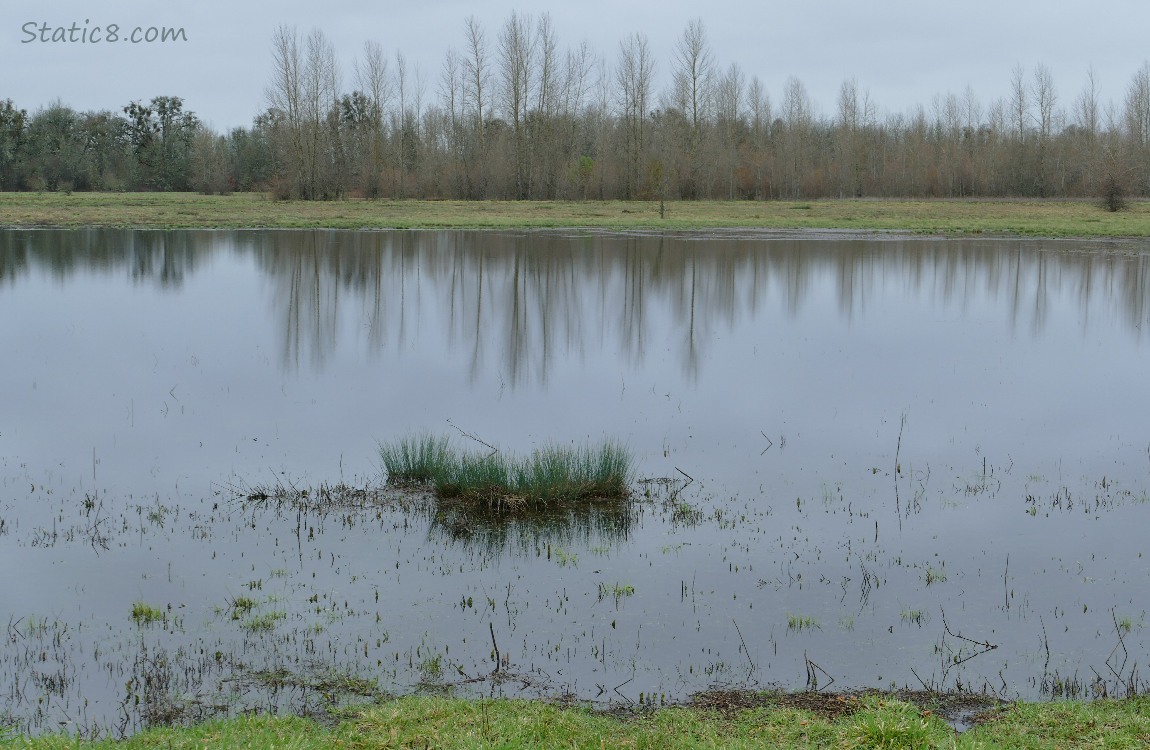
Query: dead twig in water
{"points": [[621, 684], [746, 650], [1121, 644], [1005, 583], [898, 471], [498, 660], [984, 645], [482, 442], [812, 677]]}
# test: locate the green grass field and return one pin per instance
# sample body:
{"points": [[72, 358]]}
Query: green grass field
{"points": [[444, 723], [1048, 218]]}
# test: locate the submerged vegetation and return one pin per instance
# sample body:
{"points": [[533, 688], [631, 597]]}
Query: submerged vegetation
{"points": [[553, 476], [145, 614]]}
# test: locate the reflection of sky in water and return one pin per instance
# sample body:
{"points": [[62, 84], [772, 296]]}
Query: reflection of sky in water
{"points": [[309, 343], [154, 367]]}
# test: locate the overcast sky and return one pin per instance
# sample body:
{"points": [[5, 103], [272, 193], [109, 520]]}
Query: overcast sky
{"points": [[903, 52]]}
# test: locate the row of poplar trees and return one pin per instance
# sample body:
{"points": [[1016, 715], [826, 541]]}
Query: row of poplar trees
{"points": [[512, 115]]}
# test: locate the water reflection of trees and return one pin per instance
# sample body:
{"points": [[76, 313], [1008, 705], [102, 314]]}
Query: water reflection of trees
{"points": [[163, 257], [522, 303]]}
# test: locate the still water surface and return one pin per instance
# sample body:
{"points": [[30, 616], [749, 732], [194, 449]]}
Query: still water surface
{"points": [[902, 452]]}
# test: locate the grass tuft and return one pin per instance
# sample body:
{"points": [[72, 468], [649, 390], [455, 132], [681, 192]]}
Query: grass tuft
{"points": [[799, 623], [552, 476], [417, 460], [885, 723], [146, 614]]}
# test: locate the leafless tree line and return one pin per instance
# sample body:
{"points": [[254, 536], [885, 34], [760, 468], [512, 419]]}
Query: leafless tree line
{"points": [[513, 114]]}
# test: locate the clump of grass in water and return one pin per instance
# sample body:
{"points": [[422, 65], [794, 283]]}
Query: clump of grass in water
{"points": [[417, 460], [263, 623], [146, 614], [487, 479], [916, 616], [935, 575], [551, 476], [801, 622], [558, 475]]}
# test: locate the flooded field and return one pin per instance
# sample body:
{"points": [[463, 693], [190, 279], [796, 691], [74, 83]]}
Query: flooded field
{"points": [[868, 462]]}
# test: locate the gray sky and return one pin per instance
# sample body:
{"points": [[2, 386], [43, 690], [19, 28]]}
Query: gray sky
{"points": [[904, 52]]}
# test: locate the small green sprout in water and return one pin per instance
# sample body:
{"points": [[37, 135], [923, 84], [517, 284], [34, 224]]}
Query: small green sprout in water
{"points": [[146, 614], [565, 558], [847, 622], [264, 623], [1127, 623], [935, 575], [799, 623], [241, 606], [432, 668], [618, 591], [916, 616]]}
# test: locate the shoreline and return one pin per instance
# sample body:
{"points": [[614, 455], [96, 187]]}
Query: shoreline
{"points": [[717, 718]]}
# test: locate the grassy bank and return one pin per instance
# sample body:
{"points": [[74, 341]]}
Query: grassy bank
{"points": [[872, 722], [187, 210]]}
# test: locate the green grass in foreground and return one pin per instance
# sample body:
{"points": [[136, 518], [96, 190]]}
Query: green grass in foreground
{"points": [[423, 722], [1048, 218], [550, 476]]}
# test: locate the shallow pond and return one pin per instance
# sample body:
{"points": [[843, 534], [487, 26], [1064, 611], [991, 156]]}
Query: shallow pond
{"points": [[861, 462]]}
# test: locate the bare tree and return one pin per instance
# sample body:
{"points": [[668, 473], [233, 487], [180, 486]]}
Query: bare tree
{"points": [[1019, 107], [1045, 99], [1138, 127], [543, 133], [730, 125], [850, 139], [323, 178], [759, 103], [303, 92], [633, 75], [797, 120], [476, 69], [1086, 106], [693, 94], [401, 123], [1019, 103], [517, 52], [1138, 107], [694, 69], [476, 81], [372, 78], [284, 94]]}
